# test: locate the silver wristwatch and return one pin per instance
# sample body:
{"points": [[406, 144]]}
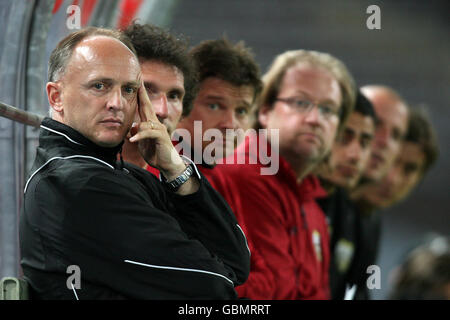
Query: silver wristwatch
{"points": [[176, 183]]}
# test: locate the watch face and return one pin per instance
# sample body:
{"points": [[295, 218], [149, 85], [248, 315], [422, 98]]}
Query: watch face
{"points": [[182, 178]]}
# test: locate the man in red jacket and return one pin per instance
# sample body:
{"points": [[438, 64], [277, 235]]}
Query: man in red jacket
{"points": [[229, 85], [306, 98]]}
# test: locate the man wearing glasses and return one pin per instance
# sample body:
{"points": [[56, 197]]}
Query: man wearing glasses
{"points": [[306, 98]]}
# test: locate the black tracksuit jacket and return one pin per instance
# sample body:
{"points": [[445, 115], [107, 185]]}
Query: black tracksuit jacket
{"points": [[360, 233], [130, 237]]}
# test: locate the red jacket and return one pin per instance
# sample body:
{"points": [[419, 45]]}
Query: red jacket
{"points": [[260, 283], [285, 228]]}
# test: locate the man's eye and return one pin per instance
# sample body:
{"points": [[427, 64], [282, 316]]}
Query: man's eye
{"points": [[129, 90], [346, 137], [396, 135], [242, 111], [174, 96], [328, 110], [213, 106], [150, 91], [99, 86], [410, 168], [365, 143], [302, 104]]}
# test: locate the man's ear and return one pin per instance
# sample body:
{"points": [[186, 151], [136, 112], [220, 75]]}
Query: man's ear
{"points": [[54, 96], [263, 115]]}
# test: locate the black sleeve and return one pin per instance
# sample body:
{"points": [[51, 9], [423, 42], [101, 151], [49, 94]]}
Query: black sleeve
{"points": [[206, 216], [369, 240], [118, 237]]}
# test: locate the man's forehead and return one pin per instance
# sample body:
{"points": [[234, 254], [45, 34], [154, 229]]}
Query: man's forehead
{"points": [[392, 113], [103, 50], [149, 64], [215, 88], [308, 79], [103, 41], [306, 69], [104, 57], [360, 122], [386, 102], [162, 74]]}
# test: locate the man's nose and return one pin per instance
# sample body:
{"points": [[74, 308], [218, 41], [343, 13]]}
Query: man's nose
{"points": [[229, 120], [393, 178], [354, 151], [160, 105], [313, 116], [381, 137], [115, 99]]}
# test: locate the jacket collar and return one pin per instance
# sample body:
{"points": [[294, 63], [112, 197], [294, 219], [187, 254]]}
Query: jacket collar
{"points": [[65, 139]]}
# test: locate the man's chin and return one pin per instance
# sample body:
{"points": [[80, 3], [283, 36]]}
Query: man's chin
{"points": [[313, 155], [109, 141], [343, 183], [374, 174]]}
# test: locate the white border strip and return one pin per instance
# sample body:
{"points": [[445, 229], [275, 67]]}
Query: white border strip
{"points": [[74, 292], [63, 158], [61, 134], [245, 238], [180, 269]]}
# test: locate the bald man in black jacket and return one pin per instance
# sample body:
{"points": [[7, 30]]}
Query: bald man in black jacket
{"points": [[130, 235]]}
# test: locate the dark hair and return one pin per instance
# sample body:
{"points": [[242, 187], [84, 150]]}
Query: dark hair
{"points": [[364, 106], [232, 63], [154, 43], [61, 55], [420, 131]]}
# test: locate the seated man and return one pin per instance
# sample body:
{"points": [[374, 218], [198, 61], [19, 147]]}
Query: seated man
{"points": [[339, 175], [418, 152], [170, 78], [392, 123], [129, 235], [306, 98], [392, 114], [229, 85]]}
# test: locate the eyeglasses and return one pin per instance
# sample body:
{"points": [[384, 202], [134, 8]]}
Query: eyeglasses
{"points": [[327, 111]]}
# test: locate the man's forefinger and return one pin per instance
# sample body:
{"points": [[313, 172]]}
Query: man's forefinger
{"points": [[145, 107]]}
